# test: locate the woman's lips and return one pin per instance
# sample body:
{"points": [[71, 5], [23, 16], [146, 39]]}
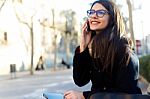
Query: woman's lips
{"points": [[94, 22]]}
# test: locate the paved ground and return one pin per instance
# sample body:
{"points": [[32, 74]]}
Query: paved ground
{"points": [[26, 86], [32, 86]]}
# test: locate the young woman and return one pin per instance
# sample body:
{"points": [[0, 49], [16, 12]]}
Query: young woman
{"points": [[104, 56]]}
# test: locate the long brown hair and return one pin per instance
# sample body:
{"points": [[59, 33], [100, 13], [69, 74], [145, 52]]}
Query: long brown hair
{"points": [[112, 42]]}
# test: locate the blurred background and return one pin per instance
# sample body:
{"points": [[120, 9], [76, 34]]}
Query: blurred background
{"points": [[46, 32]]}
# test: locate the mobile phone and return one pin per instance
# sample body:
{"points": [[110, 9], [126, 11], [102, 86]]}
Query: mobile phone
{"points": [[53, 95], [88, 26], [88, 29]]}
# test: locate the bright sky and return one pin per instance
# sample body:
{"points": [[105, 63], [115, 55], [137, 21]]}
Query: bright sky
{"points": [[146, 17], [80, 6], [140, 16], [9, 23]]}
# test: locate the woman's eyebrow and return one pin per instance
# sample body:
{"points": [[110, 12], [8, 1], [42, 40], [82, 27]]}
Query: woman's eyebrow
{"points": [[99, 9]]}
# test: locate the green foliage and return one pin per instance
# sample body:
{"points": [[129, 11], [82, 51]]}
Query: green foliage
{"points": [[145, 67]]}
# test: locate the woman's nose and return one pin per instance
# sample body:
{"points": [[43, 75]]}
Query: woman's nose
{"points": [[94, 15]]}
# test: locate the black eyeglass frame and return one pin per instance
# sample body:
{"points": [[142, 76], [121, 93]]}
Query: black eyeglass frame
{"points": [[98, 13]]}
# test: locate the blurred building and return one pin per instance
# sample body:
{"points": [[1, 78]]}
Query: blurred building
{"points": [[147, 44], [143, 46], [46, 23]]}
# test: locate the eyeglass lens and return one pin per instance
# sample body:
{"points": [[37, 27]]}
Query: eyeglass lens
{"points": [[99, 13]]}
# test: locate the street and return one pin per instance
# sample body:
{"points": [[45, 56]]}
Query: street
{"points": [[26, 86]]}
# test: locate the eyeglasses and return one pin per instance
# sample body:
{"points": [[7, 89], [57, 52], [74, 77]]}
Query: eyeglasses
{"points": [[99, 13]]}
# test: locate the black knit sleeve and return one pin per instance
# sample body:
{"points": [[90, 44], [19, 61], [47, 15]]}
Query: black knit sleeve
{"points": [[81, 67]]}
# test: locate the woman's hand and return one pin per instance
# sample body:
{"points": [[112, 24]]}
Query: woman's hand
{"points": [[85, 37], [73, 95]]}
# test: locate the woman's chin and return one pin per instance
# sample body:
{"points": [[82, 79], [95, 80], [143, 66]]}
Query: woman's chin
{"points": [[95, 29]]}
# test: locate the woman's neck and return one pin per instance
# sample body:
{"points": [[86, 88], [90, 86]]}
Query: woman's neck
{"points": [[98, 31]]}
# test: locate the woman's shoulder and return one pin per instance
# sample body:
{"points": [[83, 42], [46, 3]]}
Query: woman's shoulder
{"points": [[122, 48], [134, 59], [123, 41], [133, 65]]}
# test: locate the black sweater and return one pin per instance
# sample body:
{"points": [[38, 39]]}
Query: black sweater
{"points": [[124, 80]]}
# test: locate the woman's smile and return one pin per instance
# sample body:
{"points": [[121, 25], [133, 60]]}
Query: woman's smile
{"points": [[95, 22]]}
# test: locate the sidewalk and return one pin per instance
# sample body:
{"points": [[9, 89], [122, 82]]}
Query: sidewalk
{"points": [[144, 84], [26, 74], [14, 75], [27, 86]]}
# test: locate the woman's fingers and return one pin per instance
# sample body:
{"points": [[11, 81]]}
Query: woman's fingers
{"points": [[68, 95], [85, 37], [71, 95], [84, 27], [85, 24]]}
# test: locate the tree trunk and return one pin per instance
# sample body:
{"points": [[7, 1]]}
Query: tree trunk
{"points": [[32, 46], [131, 22], [55, 38], [113, 1]]}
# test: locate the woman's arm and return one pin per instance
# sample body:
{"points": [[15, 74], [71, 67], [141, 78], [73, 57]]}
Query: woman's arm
{"points": [[81, 67]]}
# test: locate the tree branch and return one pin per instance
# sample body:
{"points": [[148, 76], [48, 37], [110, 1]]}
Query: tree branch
{"points": [[2, 5]]}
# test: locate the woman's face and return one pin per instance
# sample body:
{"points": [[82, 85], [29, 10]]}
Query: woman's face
{"points": [[96, 22]]}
